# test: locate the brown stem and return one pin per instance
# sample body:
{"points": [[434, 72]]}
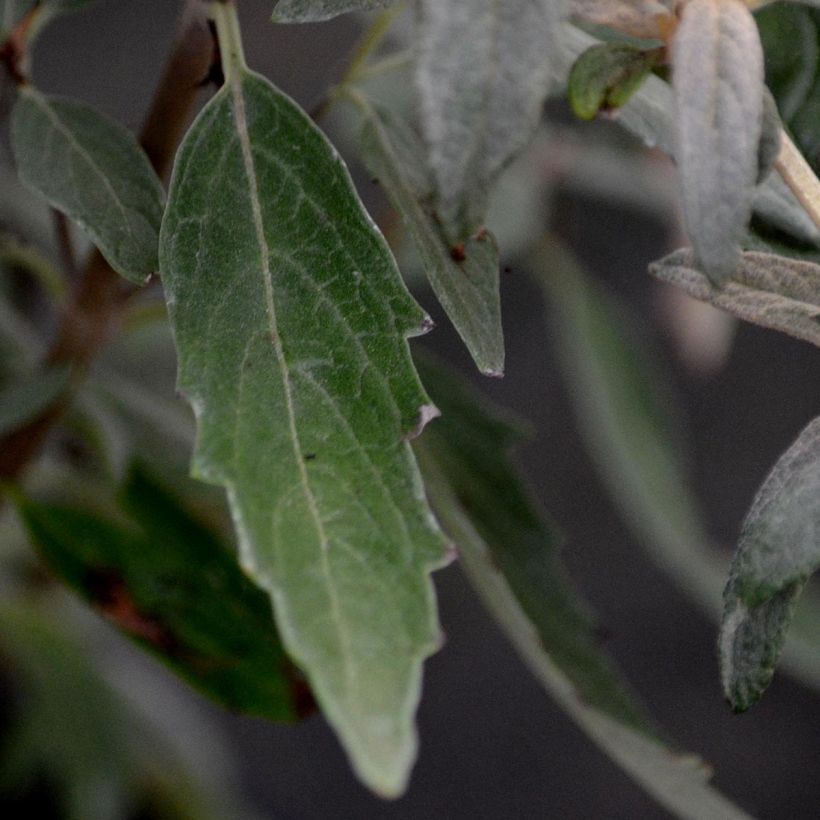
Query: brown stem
{"points": [[93, 314]]}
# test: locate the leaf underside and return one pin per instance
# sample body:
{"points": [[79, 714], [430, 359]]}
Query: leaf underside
{"points": [[305, 11], [290, 321]]}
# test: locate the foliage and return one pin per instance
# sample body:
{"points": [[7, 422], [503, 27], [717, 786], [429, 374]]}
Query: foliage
{"points": [[290, 322]]}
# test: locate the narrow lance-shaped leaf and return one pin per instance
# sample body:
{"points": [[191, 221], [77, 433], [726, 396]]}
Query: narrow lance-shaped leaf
{"points": [[766, 289], [779, 549], [93, 170], [157, 579], [483, 72], [465, 278], [290, 320], [303, 11], [718, 81], [508, 551]]}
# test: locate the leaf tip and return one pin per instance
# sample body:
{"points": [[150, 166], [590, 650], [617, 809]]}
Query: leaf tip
{"points": [[426, 413]]}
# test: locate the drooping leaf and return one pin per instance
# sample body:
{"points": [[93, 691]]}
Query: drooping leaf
{"points": [[92, 169], [718, 81], [478, 111], [21, 401], [606, 76], [157, 579], [779, 549], [303, 11], [508, 551], [464, 278], [290, 321], [766, 289]]}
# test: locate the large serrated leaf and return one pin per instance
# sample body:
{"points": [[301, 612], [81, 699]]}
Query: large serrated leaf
{"points": [[718, 81], [508, 551], [779, 549], [290, 320], [465, 279], [766, 289], [156, 578], [303, 11], [92, 169], [483, 72]]}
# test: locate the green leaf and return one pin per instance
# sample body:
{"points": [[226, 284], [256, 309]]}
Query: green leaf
{"points": [[766, 289], [157, 579], [24, 400], [303, 11], [779, 549], [718, 81], [606, 76], [768, 149], [475, 116], [465, 279], [290, 320], [11, 13], [509, 552], [636, 19], [92, 169]]}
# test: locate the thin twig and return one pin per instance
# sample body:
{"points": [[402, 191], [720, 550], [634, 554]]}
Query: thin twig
{"points": [[800, 177]]}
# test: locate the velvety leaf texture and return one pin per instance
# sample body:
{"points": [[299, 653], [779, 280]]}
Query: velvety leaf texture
{"points": [[718, 82], [479, 110], [304, 11], [465, 278], [92, 169], [157, 579], [766, 289], [779, 549], [509, 552], [290, 320]]}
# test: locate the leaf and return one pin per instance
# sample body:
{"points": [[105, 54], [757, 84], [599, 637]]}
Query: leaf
{"points": [[768, 290], [157, 580], [26, 399], [641, 19], [768, 149], [509, 552], [290, 320], [11, 13], [465, 278], [475, 116], [606, 76], [779, 549], [301, 11], [718, 82], [92, 169]]}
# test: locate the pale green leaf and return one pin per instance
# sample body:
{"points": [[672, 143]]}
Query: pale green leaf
{"points": [[766, 289], [779, 549], [641, 19], [290, 320], [11, 12], [465, 279], [303, 11], [477, 109], [718, 82], [92, 169], [23, 400], [509, 554]]}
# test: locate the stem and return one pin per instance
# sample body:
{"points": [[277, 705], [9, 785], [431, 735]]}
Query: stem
{"points": [[229, 36], [799, 176], [93, 314], [67, 256]]}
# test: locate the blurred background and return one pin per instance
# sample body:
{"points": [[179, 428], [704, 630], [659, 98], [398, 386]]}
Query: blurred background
{"points": [[492, 743]]}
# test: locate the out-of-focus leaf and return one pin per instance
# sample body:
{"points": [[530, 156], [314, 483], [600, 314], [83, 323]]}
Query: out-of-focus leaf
{"points": [[508, 551], [768, 149], [718, 82], [302, 11], [641, 19], [606, 76], [779, 549], [478, 111], [92, 169], [766, 289], [24, 400], [290, 319], [158, 579], [465, 278], [11, 12]]}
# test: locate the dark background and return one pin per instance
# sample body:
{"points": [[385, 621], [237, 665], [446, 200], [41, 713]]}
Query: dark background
{"points": [[492, 744]]}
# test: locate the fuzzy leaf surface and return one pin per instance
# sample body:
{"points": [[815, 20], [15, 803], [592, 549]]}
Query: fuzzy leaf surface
{"points": [[305, 11], [718, 82], [93, 170], [464, 279], [766, 289], [482, 72], [779, 549], [290, 320], [509, 552]]}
